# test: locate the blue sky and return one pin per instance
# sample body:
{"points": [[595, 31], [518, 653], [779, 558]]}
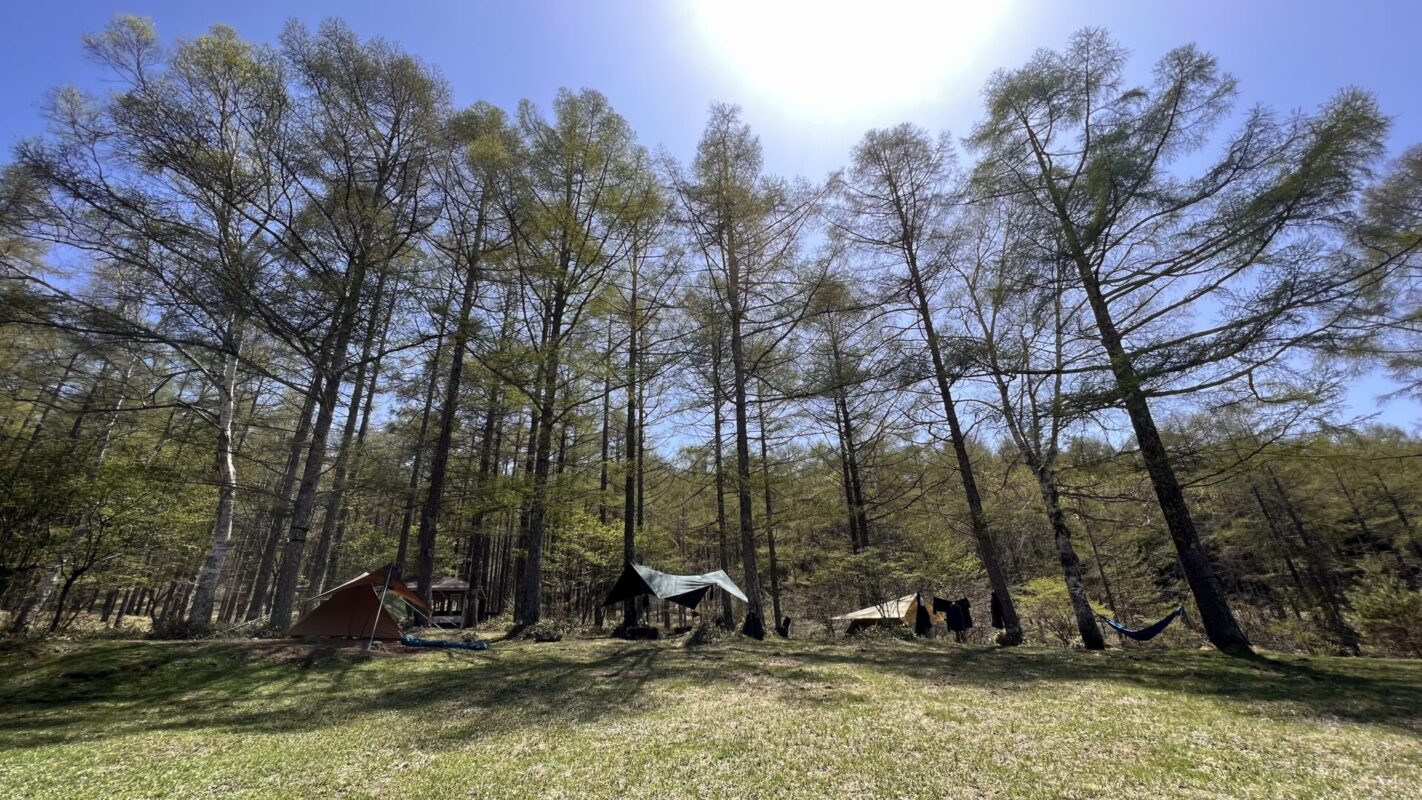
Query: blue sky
{"points": [[812, 77]]}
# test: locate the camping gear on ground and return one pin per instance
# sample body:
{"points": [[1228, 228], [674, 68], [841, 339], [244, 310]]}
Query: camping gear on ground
{"points": [[686, 590], [364, 607], [638, 633], [922, 620], [889, 613], [753, 627], [996, 611], [442, 644], [1147, 633]]}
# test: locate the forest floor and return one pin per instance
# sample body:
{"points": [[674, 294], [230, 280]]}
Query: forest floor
{"points": [[732, 719]]}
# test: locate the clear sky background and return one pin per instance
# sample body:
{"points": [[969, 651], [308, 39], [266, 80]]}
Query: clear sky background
{"points": [[811, 76]]}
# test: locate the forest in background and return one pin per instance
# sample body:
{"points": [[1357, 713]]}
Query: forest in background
{"points": [[275, 315]]}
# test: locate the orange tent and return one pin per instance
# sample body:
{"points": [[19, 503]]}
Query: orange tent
{"points": [[353, 610]]}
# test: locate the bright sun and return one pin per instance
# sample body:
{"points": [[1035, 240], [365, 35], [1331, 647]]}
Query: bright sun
{"points": [[821, 55]]}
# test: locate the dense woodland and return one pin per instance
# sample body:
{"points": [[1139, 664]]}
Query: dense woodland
{"points": [[275, 315]]}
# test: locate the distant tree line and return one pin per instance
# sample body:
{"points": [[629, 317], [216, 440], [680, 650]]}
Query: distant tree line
{"points": [[273, 315]]}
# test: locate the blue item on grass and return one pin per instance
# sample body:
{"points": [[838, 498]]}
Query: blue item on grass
{"points": [[411, 641]]}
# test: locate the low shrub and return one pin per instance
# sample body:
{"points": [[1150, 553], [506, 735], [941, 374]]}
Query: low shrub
{"points": [[1388, 614]]}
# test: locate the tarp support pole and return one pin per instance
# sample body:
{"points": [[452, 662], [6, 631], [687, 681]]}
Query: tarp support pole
{"points": [[379, 609]]}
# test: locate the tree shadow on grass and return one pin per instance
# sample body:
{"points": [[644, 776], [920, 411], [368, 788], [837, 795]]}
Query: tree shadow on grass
{"points": [[453, 698], [1368, 691], [111, 691]]}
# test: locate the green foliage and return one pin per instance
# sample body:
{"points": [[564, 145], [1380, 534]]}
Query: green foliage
{"points": [[1046, 611], [178, 628], [1389, 615]]}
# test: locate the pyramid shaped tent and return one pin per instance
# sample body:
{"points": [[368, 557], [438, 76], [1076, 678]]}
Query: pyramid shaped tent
{"points": [[891, 612], [354, 609]]}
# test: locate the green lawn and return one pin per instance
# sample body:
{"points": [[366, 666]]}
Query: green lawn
{"points": [[603, 718]]}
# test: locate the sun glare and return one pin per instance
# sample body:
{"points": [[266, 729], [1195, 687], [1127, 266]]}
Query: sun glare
{"points": [[824, 55]]}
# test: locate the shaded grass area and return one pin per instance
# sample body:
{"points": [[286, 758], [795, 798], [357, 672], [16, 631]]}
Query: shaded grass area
{"points": [[605, 718]]}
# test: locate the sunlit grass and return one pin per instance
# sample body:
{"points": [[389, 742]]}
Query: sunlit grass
{"points": [[773, 719]]}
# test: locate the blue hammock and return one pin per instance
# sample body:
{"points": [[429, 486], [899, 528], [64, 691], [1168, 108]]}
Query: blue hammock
{"points": [[1145, 634]]}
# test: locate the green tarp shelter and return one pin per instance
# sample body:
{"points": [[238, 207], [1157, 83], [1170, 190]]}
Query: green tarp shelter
{"points": [[687, 590]]}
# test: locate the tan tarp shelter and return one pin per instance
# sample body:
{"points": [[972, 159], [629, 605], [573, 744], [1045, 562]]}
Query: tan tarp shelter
{"points": [[353, 610], [891, 612]]}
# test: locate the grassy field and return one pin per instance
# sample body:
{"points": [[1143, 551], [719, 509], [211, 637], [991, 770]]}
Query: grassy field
{"points": [[602, 718]]}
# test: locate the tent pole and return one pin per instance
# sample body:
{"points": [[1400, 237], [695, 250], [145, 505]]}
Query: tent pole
{"points": [[380, 609]]}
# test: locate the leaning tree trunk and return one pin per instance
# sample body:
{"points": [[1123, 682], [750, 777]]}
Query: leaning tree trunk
{"points": [[977, 518], [332, 521], [1041, 468], [35, 600], [1071, 565], [1321, 570], [343, 512], [1412, 541], [1220, 625], [335, 497]]}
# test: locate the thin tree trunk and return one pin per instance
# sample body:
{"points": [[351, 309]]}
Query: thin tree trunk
{"points": [[205, 587], [335, 496], [45, 589], [439, 461], [723, 545], [629, 459], [982, 534], [1411, 534], [528, 594], [769, 516], [478, 546], [1272, 525], [417, 465], [1321, 568], [281, 501], [602, 477], [1071, 565], [283, 599], [739, 378]]}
